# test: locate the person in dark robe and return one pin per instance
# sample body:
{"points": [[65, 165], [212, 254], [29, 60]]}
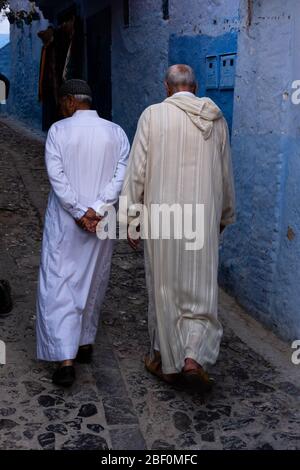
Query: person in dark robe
{"points": [[61, 59], [48, 79]]}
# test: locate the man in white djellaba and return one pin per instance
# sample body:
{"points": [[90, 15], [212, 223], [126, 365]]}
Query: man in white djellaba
{"points": [[86, 159]]}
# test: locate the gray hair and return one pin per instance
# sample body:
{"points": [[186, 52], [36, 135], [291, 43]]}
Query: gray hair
{"points": [[84, 98], [181, 75]]}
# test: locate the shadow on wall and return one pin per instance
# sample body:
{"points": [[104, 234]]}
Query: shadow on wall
{"points": [[4, 73]]}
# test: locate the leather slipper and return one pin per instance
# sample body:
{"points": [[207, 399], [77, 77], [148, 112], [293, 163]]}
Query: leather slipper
{"points": [[198, 378], [154, 366]]}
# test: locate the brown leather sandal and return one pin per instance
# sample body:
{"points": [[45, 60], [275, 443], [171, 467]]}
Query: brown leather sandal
{"points": [[198, 378], [154, 366]]}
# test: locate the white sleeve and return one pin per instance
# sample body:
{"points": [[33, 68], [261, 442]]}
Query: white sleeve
{"points": [[58, 179], [110, 193]]}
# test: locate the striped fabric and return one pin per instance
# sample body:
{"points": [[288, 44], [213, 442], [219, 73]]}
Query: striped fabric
{"points": [[181, 154]]}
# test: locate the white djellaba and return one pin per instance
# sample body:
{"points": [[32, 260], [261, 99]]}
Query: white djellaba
{"points": [[86, 159]]}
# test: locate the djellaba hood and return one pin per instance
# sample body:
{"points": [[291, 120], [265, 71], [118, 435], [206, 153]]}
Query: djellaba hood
{"points": [[202, 111]]}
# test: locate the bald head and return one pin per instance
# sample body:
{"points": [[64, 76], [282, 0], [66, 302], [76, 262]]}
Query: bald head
{"points": [[180, 77]]}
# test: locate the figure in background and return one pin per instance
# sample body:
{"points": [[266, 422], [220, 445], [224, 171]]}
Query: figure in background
{"points": [[61, 59]]}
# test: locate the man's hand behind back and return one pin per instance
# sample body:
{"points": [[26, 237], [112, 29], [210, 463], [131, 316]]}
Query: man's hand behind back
{"points": [[89, 221]]}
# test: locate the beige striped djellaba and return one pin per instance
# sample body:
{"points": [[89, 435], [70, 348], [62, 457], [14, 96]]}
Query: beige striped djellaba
{"points": [[181, 154]]}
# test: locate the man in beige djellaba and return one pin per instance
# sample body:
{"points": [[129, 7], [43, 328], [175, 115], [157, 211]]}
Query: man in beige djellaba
{"points": [[181, 155]]}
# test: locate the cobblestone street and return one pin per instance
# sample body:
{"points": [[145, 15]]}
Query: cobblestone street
{"points": [[115, 403]]}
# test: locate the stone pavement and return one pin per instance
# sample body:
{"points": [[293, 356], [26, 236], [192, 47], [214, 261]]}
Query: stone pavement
{"points": [[115, 403]]}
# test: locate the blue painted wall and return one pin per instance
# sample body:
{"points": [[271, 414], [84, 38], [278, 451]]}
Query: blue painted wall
{"points": [[25, 58], [142, 52], [5, 69], [5, 57], [193, 50], [25, 51], [260, 259]]}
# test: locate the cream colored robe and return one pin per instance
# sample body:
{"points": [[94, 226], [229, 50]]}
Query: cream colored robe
{"points": [[181, 154]]}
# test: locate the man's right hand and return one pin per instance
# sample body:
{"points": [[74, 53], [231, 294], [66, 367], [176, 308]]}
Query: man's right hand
{"points": [[134, 244]]}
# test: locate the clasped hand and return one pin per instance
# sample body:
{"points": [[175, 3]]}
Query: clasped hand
{"points": [[89, 221]]}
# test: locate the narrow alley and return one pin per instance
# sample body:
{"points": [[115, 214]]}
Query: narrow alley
{"points": [[116, 404]]}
